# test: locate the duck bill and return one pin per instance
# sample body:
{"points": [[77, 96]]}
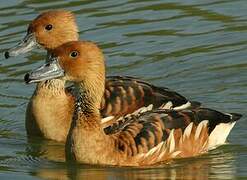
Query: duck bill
{"points": [[48, 71], [26, 45]]}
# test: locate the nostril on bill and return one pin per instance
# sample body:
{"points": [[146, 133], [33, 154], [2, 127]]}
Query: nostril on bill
{"points": [[26, 78], [6, 55]]}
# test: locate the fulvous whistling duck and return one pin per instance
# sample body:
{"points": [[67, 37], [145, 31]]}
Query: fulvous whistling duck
{"points": [[145, 138], [51, 107]]}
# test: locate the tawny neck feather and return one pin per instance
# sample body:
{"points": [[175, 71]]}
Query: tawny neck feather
{"points": [[50, 88], [88, 99]]}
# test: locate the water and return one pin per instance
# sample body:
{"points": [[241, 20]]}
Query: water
{"points": [[195, 47]]}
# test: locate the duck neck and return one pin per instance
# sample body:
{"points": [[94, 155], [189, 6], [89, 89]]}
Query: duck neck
{"points": [[86, 136], [88, 99], [53, 87]]}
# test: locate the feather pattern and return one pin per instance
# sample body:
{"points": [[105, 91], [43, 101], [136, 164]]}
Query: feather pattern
{"points": [[124, 95], [160, 135]]}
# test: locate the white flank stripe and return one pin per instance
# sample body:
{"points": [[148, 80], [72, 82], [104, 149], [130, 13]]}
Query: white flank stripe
{"points": [[168, 105], [171, 141], [199, 128], [219, 134], [145, 109], [154, 149], [184, 106], [106, 119], [188, 130], [135, 113]]}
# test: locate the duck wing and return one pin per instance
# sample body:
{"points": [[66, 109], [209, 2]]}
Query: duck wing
{"points": [[124, 95], [159, 135]]}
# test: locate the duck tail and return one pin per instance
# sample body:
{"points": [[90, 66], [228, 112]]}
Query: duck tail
{"points": [[234, 116], [220, 125]]}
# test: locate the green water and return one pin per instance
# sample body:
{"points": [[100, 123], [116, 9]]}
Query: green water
{"points": [[196, 47]]}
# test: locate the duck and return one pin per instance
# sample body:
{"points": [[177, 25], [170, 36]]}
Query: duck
{"points": [[142, 139], [50, 109]]}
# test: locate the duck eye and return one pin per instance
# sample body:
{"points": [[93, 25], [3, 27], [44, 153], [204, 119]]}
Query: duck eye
{"points": [[48, 27], [74, 54]]}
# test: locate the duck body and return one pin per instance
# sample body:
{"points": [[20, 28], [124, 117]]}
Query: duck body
{"points": [[146, 138], [140, 139], [150, 138]]}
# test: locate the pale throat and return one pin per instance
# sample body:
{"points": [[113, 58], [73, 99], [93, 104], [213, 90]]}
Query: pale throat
{"points": [[51, 87]]}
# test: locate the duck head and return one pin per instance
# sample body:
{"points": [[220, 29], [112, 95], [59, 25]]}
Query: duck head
{"points": [[81, 62], [49, 30]]}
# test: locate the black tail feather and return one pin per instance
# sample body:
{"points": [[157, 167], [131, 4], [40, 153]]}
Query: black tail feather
{"points": [[235, 116], [215, 117]]}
